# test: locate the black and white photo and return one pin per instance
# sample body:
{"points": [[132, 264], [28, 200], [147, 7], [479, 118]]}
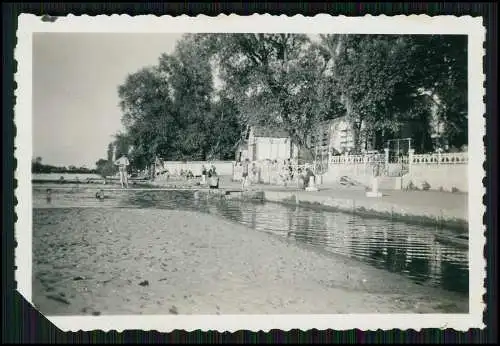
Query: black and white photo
{"points": [[250, 173]]}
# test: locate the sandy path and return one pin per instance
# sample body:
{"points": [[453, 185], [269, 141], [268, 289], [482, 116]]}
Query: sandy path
{"points": [[144, 261]]}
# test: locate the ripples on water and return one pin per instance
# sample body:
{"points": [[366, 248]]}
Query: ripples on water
{"points": [[410, 250]]}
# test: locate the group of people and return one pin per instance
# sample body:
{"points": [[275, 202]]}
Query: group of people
{"points": [[286, 172], [211, 174], [123, 163], [308, 176], [246, 178]]}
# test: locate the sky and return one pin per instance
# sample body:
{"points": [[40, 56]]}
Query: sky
{"points": [[75, 90]]}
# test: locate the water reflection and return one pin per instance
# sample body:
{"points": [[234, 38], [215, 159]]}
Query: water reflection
{"points": [[397, 247]]}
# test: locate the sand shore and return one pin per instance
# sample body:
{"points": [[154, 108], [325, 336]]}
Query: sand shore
{"points": [[144, 261]]}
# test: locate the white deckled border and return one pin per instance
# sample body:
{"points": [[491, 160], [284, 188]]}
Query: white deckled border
{"points": [[414, 24]]}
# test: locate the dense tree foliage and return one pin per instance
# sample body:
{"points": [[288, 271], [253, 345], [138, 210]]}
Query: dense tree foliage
{"points": [[38, 167], [196, 103], [171, 111], [105, 168], [278, 80], [389, 83]]}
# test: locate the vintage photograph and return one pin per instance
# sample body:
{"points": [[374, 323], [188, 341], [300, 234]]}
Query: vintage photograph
{"points": [[258, 173]]}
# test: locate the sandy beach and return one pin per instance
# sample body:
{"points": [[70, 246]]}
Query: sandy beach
{"points": [[145, 261]]}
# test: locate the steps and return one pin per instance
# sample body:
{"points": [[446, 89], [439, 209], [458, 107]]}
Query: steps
{"points": [[363, 182]]}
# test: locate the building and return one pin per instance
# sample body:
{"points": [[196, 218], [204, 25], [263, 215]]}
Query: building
{"points": [[266, 143], [341, 137]]}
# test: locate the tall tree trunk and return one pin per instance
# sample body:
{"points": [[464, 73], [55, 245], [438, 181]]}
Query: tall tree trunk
{"points": [[356, 129], [355, 125]]}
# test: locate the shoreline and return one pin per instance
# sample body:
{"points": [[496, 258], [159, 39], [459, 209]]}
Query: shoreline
{"points": [[379, 210], [440, 209], [387, 207]]}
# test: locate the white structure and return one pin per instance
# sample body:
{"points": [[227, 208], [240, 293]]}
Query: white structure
{"points": [[264, 143], [374, 192], [341, 137]]}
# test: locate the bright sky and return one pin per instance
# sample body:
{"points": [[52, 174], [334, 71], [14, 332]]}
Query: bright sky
{"points": [[75, 90]]}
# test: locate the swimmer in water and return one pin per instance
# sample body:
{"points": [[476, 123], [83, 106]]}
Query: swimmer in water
{"points": [[100, 195]]}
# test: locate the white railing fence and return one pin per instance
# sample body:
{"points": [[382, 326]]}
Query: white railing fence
{"points": [[440, 158], [350, 159], [371, 163], [410, 158]]}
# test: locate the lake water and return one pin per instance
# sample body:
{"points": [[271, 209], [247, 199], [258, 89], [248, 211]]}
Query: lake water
{"points": [[410, 250], [66, 176]]}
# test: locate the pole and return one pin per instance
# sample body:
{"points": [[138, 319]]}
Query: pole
{"points": [[297, 177]]}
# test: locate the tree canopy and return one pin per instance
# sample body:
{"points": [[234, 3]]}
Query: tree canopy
{"points": [[278, 80], [389, 82], [196, 102]]}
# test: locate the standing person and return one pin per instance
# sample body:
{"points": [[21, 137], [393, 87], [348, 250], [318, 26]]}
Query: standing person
{"points": [[203, 175], [290, 170], [255, 177], [152, 172], [309, 179], [214, 179], [244, 174], [122, 164]]}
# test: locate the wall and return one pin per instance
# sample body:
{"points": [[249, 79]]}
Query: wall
{"points": [[271, 148], [360, 172], [222, 167], [269, 173], [437, 176], [446, 172]]}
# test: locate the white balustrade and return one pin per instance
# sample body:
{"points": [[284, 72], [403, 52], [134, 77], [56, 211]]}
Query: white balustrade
{"points": [[352, 159], [269, 172], [440, 158], [433, 158]]}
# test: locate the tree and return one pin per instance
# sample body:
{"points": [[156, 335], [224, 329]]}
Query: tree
{"points": [[275, 79], [389, 82], [110, 153], [225, 130], [172, 110], [148, 117], [122, 144], [36, 165], [190, 77], [105, 168], [367, 72], [441, 75]]}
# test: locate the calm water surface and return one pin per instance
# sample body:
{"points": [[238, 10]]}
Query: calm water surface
{"points": [[410, 250]]}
